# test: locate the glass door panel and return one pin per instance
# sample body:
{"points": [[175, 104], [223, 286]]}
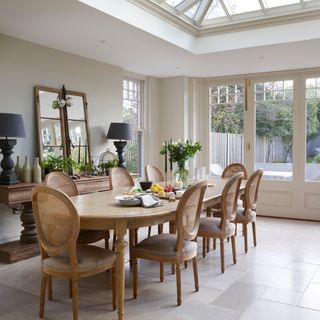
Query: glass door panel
{"points": [[226, 104], [274, 128], [312, 95]]}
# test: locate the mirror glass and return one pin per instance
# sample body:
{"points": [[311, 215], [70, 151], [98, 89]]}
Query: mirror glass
{"points": [[63, 131]]}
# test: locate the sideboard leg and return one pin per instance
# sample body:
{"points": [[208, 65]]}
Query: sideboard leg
{"points": [[29, 232]]}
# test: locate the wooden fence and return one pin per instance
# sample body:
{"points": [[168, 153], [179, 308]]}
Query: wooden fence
{"points": [[228, 148]]}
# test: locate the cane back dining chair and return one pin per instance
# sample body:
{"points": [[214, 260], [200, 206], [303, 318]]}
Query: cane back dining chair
{"points": [[153, 174], [175, 248], [63, 182], [58, 226], [222, 227], [227, 172], [247, 213], [234, 168]]}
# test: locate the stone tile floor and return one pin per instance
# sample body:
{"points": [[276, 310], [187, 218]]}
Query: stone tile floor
{"points": [[279, 279]]}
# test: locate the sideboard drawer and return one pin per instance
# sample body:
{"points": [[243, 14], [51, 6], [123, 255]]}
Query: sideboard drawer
{"points": [[94, 184]]}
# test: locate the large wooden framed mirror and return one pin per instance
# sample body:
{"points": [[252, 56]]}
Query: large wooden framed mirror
{"points": [[62, 129]]}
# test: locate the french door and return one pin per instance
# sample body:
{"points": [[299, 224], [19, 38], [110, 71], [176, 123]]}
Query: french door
{"points": [[276, 121]]}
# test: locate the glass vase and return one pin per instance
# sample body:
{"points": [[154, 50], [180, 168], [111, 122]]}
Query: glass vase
{"points": [[181, 175]]}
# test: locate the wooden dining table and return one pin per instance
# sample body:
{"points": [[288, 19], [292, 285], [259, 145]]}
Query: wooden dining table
{"points": [[101, 211]]}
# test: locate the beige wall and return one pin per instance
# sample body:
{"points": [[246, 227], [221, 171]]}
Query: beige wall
{"points": [[24, 65]]}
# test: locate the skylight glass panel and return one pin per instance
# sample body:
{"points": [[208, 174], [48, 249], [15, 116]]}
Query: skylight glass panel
{"points": [[173, 3], [279, 3], [192, 11], [242, 6], [215, 11]]}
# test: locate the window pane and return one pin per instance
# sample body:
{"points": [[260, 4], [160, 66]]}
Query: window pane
{"points": [[236, 6], [312, 172], [274, 124], [215, 11], [226, 116], [132, 113], [173, 3], [279, 3], [192, 11]]}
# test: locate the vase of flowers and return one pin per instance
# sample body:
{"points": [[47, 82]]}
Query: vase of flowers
{"points": [[179, 152]]}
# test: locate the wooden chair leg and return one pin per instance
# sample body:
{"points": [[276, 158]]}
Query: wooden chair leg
{"points": [[178, 281], [228, 239], [70, 289], [42, 294], [203, 247], [136, 237], [245, 235], [208, 244], [114, 240], [222, 254], [160, 228], [135, 278], [195, 274], [161, 272], [254, 233], [186, 264], [236, 227], [75, 299], [234, 253], [106, 240], [149, 231], [114, 289], [214, 244], [49, 287], [172, 230], [131, 244]]}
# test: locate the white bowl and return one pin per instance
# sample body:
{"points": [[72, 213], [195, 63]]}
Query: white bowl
{"points": [[128, 201]]}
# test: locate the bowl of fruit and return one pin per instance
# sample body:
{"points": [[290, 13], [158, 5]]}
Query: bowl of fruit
{"points": [[159, 190]]}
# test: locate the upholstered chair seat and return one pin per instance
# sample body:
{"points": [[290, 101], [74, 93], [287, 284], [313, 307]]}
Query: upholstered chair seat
{"points": [[213, 228], [165, 245], [90, 259]]}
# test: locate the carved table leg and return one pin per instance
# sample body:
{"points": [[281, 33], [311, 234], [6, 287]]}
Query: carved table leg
{"points": [[29, 232], [121, 228]]}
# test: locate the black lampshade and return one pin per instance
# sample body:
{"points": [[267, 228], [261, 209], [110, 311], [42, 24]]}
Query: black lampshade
{"points": [[11, 125], [119, 131]]}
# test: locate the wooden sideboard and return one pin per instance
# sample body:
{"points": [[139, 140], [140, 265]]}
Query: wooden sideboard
{"points": [[20, 193]]}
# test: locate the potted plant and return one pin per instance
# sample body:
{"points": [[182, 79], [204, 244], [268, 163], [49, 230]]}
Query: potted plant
{"points": [[57, 163], [106, 166]]}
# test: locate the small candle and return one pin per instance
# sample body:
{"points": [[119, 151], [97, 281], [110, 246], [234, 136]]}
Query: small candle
{"points": [[85, 153], [165, 157], [79, 150], [170, 160]]}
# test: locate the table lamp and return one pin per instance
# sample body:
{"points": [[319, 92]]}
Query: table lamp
{"points": [[120, 131], [11, 125]]}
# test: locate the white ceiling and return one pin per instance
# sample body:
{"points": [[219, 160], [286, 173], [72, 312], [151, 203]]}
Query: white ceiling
{"points": [[74, 27]]}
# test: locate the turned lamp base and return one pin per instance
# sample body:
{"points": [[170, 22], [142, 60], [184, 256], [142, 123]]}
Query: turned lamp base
{"points": [[7, 175], [120, 145]]}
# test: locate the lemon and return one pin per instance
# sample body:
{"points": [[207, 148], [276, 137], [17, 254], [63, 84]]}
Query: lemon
{"points": [[154, 188]]}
